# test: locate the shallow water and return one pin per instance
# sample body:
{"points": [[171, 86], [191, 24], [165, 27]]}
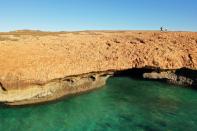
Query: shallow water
{"points": [[123, 104]]}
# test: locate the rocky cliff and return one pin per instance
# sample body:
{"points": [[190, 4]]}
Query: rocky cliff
{"points": [[37, 66]]}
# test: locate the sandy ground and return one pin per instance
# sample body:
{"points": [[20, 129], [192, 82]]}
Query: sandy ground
{"points": [[28, 57]]}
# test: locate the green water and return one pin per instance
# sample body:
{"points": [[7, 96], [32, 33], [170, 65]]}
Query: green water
{"points": [[122, 105]]}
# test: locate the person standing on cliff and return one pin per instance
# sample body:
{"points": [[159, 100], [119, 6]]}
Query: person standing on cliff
{"points": [[161, 28]]}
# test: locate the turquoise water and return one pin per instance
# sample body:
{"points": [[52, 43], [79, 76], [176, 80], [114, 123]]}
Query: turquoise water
{"points": [[124, 104]]}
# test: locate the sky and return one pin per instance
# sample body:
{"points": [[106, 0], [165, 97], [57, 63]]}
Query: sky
{"points": [[74, 15]]}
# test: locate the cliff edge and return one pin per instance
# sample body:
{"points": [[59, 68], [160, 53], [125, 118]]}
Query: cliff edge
{"points": [[34, 61]]}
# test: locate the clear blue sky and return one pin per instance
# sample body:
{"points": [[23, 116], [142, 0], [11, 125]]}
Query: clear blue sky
{"points": [[57, 15]]}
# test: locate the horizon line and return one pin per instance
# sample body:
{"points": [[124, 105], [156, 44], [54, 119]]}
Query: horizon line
{"points": [[84, 30]]}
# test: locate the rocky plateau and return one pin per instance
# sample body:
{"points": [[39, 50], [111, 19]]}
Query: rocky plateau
{"points": [[38, 66]]}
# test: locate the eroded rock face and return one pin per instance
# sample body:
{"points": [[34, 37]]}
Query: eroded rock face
{"points": [[173, 77], [30, 61], [54, 89]]}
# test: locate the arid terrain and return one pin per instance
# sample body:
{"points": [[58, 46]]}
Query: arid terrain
{"points": [[33, 59]]}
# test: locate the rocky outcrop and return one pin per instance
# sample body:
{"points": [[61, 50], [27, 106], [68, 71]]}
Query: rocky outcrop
{"points": [[183, 77], [30, 62], [171, 77], [54, 89]]}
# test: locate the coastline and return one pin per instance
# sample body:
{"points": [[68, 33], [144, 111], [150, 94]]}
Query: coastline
{"points": [[55, 89], [34, 64]]}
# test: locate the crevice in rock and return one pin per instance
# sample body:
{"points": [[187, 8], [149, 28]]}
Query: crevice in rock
{"points": [[2, 87], [190, 58], [92, 77], [135, 72]]}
